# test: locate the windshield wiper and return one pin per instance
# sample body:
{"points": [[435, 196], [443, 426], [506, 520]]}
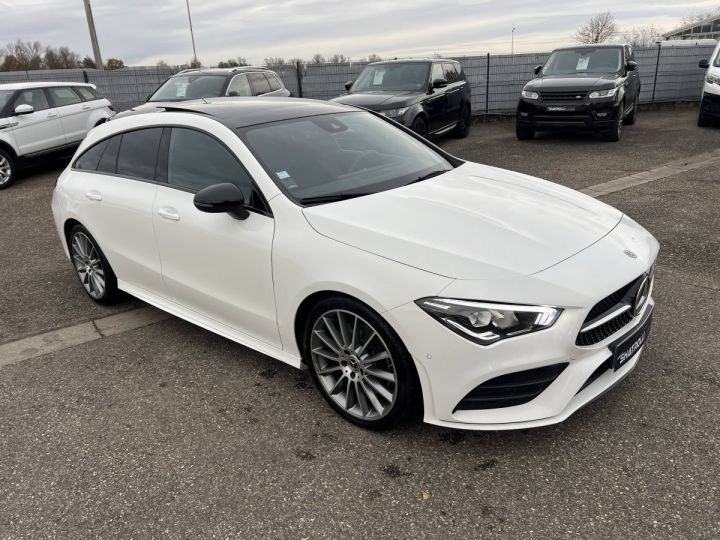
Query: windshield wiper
{"points": [[334, 197], [428, 175]]}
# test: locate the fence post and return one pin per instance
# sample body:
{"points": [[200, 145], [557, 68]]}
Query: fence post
{"points": [[657, 65], [85, 76], [299, 78], [487, 85]]}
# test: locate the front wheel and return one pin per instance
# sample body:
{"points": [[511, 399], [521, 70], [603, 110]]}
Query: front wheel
{"points": [[7, 170], [702, 119], [91, 266], [419, 126], [359, 364], [614, 133], [524, 133]]}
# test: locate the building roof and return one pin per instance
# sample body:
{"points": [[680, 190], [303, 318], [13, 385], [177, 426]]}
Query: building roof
{"points": [[690, 26], [28, 84], [237, 112]]}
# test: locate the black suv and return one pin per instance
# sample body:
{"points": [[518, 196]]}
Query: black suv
{"points": [[432, 97], [584, 88]]}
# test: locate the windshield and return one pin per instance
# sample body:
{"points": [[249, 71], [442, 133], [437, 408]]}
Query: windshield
{"points": [[340, 155], [5, 95], [584, 61], [716, 63], [392, 78], [191, 86]]}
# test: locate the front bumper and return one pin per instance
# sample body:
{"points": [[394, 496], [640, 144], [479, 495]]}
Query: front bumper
{"points": [[595, 115], [450, 367]]}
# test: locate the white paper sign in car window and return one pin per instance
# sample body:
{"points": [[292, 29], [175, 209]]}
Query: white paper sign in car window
{"points": [[378, 77], [182, 89], [583, 62]]}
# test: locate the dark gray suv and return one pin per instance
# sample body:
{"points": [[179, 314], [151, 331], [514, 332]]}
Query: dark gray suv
{"points": [[432, 97]]}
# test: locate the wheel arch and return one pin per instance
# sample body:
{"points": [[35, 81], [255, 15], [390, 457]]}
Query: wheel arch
{"points": [[4, 145]]}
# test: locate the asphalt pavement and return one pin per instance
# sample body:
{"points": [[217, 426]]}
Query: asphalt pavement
{"points": [[170, 431]]}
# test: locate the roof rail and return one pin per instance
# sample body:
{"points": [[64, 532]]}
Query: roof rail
{"points": [[188, 70]]}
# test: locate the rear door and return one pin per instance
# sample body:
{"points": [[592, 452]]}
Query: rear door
{"points": [[454, 93], [259, 83], [436, 104], [41, 130], [74, 112]]}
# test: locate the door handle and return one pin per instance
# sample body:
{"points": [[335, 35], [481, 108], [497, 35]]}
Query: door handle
{"points": [[52, 114], [85, 107], [169, 214], [94, 195]]}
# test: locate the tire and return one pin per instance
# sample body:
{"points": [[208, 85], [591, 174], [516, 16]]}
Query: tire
{"points": [[419, 126], [378, 394], [7, 169], [524, 133], [91, 267], [615, 133], [462, 129], [702, 120], [631, 118]]}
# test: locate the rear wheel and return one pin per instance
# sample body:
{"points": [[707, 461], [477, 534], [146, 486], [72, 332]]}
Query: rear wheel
{"points": [[419, 126], [524, 133], [359, 364], [91, 266], [462, 129], [7, 170]]}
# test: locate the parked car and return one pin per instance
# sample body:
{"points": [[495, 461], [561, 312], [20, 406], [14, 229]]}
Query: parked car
{"points": [[407, 280], [432, 97], [37, 119], [710, 99], [191, 84], [584, 88]]}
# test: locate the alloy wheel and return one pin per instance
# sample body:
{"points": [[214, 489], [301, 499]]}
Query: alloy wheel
{"points": [[88, 265], [5, 171], [354, 365]]}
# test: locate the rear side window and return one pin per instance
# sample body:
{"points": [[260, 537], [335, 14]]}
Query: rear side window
{"points": [[239, 86], [259, 83], [109, 157], [197, 160], [90, 160], [35, 97], [138, 153], [86, 93], [450, 73], [437, 72], [274, 82], [64, 95]]}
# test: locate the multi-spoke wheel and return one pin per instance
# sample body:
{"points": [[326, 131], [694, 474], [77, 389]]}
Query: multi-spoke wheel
{"points": [[91, 266], [7, 170], [359, 364]]}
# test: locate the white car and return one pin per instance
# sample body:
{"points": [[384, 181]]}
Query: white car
{"points": [[37, 119], [710, 99], [407, 280]]}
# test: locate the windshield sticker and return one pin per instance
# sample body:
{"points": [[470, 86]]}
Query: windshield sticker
{"points": [[182, 89], [583, 62], [378, 77], [286, 179], [282, 175]]}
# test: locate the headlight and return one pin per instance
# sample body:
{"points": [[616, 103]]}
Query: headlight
{"points": [[394, 113], [486, 323], [712, 79], [529, 95], [610, 92]]}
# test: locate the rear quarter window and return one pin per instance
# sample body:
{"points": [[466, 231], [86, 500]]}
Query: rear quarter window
{"points": [[259, 83], [86, 93]]}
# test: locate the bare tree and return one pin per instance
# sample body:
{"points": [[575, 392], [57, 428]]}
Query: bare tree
{"points": [[114, 63], [275, 61], [373, 58], [597, 29], [338, 58], [317, 59], [699, 16], [641, 36], [161, 63], [88, 63], [27, 54]]}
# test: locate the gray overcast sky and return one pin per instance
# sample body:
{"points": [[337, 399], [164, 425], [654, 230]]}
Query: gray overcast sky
{"points": [[145, 31]]}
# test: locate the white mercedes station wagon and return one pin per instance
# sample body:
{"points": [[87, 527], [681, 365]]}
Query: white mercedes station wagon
{"points": [[406, 280]]}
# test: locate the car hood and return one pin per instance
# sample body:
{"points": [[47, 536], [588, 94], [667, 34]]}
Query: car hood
{"points": [[559, 83], [474, 222], [380, 100]]}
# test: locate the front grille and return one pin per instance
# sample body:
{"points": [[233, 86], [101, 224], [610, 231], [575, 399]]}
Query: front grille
{"points": [[563, 96], [512, 389], [622, 297]]}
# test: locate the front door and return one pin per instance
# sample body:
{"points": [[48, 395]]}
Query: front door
{"points": [[40, 130], [214, 264]]}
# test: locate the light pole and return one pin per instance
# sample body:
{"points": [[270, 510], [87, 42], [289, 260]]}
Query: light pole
{"points": [[93, 35], [512, 41], [192, 36]]}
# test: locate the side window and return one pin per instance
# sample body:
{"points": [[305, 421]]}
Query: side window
{"points": [[450, 73], [138, 153], [86, 93], [63, 95], [90, 159], [35, 97], [239, 86], [196, 161], [109, 157], [437, 72], [274, 82], [259, 83]]}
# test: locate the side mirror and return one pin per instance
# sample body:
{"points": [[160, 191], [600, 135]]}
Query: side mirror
{"points": [[704, 64], [538, 69], [439, 83], [631, 66], [348, 85], [222, 199], [24, 109]]}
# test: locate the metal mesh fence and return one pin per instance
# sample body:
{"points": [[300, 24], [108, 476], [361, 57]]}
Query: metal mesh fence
{"points": [[496, 80]]}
